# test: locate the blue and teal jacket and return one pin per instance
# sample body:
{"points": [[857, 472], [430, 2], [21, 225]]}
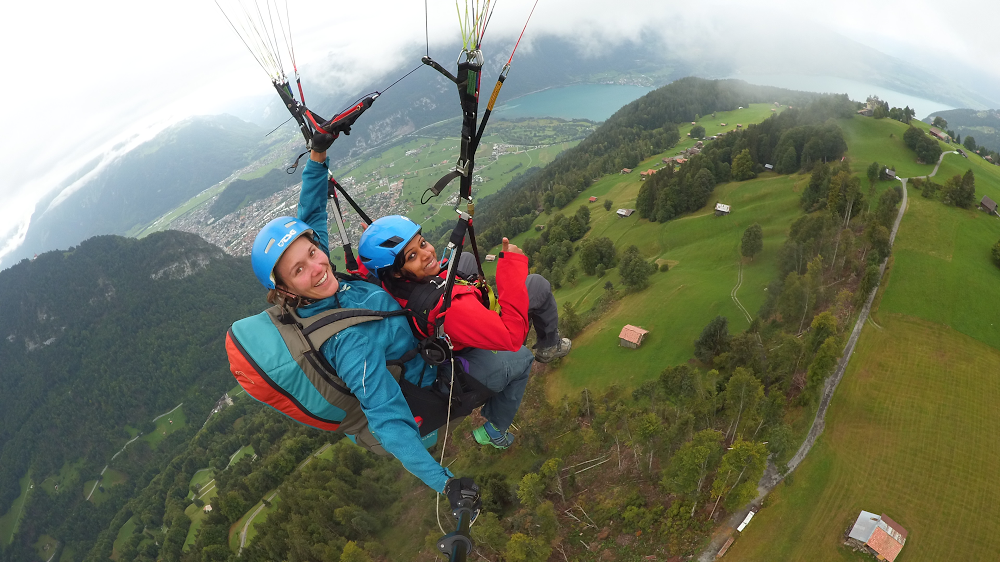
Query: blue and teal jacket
{"points": [[359, 353]]}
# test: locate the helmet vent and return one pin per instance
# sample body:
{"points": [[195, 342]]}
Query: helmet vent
{"points": [[392, 242], [269, 244]]}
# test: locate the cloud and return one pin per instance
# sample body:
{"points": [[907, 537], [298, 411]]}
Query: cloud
{"points": [[94, 74]]}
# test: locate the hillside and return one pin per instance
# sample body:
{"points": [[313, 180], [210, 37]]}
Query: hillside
{"points": [[983, 125], [667, 425], [146, 182], [98, 341], [904, 426]]}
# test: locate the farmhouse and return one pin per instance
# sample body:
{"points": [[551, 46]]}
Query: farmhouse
{"points": [[769, 167], [592, 199], [890, 173], [207, 508], [940, 134], [721, 210], [622, 213], [626, 171], [878, 535], [988, 205], [867, 112], [647, 173], [491, 257], [631, 336]]}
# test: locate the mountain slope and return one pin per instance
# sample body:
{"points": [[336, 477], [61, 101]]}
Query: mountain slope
{"points": [[144, 183], [105, 336]]}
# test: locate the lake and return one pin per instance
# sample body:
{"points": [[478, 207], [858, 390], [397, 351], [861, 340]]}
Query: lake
{"points": [[596, 102], [858, 91]]}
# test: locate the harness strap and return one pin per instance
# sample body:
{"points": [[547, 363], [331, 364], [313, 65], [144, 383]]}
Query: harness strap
{"points": [[354, 205]]}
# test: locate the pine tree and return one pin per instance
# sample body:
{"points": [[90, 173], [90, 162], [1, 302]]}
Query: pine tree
{"points": [[753, 241]]}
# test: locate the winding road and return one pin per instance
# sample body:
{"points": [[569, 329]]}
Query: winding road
{"points": [[771, 476]]}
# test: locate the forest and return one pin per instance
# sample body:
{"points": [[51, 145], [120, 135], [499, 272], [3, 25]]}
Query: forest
{"points": [[104, 336], [642, 128]]}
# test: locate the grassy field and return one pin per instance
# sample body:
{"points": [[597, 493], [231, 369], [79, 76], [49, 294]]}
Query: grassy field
{"points": [[703, 253], [10, 520], [881, 140], [165, 426], [903, 437], [67, 478], [110, 478], [261, 517], [125, 532], [942, 271], [200, 478], [46, 546], [247, 450]]}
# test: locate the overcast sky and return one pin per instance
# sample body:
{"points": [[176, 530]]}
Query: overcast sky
{"points": [[87, 76]]}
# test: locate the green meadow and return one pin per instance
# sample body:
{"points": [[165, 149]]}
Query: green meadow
{"points": [[110, 478], [124, 533], [942, 271], [165, 426], [9, 521], [905, 437]]}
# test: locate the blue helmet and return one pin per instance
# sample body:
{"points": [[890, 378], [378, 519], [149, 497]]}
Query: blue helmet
{"points": [[271, 242], [384, 240]]}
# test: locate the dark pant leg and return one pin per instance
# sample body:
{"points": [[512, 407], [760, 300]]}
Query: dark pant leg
{"points": [[503, 372], [542, 310]]}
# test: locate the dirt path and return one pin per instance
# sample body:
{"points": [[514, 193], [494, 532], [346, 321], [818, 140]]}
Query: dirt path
{"points": [[771, 476], [732, 294]]}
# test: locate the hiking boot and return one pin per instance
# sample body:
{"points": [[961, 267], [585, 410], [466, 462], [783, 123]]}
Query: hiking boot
{"points": [[560, 349], [488, 434]]}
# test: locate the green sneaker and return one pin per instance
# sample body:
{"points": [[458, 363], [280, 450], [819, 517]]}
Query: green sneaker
{"points": [[488, 434]]}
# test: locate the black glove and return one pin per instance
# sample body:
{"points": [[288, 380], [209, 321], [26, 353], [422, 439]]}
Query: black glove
{"points": [[321, 142], [463, 492]]}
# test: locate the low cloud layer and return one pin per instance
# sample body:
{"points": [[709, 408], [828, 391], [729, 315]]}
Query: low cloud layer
{"points": [[96, 75]]}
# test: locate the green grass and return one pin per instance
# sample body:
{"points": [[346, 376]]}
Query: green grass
{"points": [[703, 251], [881, 140], [261, 517], [9, 521], [68, 554], [197, 516], [904, 437], [110, 478], [46, 546], [164, 427], [124, 533], [942, 271], [67, 478], [244, 451], [200, 478]]}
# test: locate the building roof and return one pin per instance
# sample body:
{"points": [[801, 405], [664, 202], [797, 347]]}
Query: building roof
{"points": [[592, 198], [721, 207], [890, 173], [893, 526], [648, 172], [864, 526], [884, 544], [939, 133], [989, 203], [632, 334], [769, 166], [626, 212], [626, 170], [882, 534]]}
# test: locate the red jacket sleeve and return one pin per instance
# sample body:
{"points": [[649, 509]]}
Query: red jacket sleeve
{"points": [[470, 324]]}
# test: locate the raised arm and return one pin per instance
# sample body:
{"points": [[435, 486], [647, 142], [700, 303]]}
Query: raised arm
{"points": [[313, 198]]}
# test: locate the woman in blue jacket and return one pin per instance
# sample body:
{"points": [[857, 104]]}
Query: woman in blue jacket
{"points": [[291, 258]]}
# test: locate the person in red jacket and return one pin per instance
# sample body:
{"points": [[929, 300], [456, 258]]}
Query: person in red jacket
{"points": [[489, 337]]}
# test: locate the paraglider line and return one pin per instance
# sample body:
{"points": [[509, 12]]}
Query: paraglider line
{"points": [[278, 127], [252, 53], [401, 79], [522, 32]]}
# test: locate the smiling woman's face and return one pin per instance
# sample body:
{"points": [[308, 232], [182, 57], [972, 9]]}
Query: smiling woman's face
{"points": [[304, 270], [420, 259]]}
